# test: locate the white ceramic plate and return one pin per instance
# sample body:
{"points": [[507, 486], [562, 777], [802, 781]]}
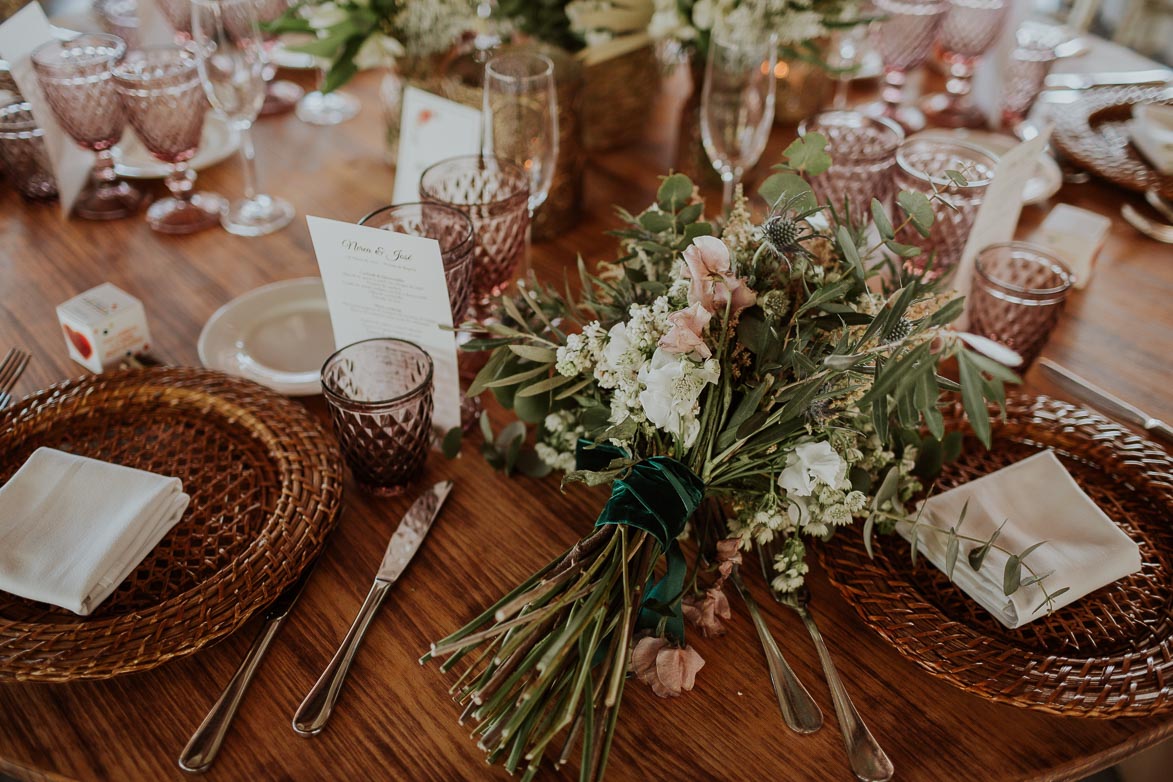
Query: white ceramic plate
{"points": [[1044, 183], [217, 143], [278, 335]]}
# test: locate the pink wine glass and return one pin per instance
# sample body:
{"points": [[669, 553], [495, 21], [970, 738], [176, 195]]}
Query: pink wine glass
{"points": [[77, 80], [904, 36], [165, 104], [970, 28]]}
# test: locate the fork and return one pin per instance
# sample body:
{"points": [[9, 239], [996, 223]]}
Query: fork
{"points": [[799, 709], [10, 372], [868, 761]]}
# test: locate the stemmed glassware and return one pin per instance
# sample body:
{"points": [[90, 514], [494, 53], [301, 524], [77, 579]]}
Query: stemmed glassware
{"points": [[326, 108], [737, 106], [968, 31], [280, 94], [119, 17], [231, 60], [178, 15], [77, 80], [160, 90], [521, 118], [1026, 72], [904, 36]]}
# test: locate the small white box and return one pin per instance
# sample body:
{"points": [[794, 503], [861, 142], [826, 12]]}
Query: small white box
{"points": [[104, 325], [1075, 236]]}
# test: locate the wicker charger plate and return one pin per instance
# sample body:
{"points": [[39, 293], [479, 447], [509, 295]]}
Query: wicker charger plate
{"points": [[265, 489], [1093, 131], [1107, 655]]}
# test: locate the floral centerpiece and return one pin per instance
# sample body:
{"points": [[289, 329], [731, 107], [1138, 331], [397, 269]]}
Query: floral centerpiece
{"points": [[690, 23], [354, 35], [764, 367]]}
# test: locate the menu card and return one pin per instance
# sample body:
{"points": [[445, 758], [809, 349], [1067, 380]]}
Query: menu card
{"points": [[431, 129], [24, 31], [385, 284], [998, 216]]}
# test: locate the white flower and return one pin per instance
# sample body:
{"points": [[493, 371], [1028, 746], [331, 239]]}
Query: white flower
{"points": [[702, 14], [837, 515], [856, 501], [809, 463], [377, 51], [672, 385], [325, 15]]}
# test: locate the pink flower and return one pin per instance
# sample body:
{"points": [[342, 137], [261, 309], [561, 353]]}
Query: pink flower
{"points": [[708, 615], [711, 280], [685, 336], [668, 670], [728, 555]]}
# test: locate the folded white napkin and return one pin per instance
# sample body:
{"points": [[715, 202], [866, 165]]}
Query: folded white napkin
{"points": [[72, 529], [1039, 501], [1152, 134]]}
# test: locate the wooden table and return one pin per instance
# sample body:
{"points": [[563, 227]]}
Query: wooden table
{"points": [[394, 720]]}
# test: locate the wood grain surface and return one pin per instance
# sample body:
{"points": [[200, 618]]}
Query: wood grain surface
{"points": [[394, 720]]}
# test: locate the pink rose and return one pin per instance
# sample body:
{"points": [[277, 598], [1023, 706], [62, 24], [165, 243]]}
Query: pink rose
{"points": [[711, 281], [686, 335], [668, 670]]}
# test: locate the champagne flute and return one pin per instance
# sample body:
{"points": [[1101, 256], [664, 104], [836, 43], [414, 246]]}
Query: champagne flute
{"points": [[231, 66], [737, 106], [521, 118]]}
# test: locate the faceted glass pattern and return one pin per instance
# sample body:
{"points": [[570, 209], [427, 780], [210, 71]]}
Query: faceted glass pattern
{"points": [[921, 164], [494, 193], [451, 228], [76, 80], [1019, 291], [22, 153], [380, 397], [164, 101], [863, 155], [906, 30]]}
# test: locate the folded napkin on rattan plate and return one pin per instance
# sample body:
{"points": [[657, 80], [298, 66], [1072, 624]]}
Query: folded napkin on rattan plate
{"points": [[1039, 501], [72, 528]]}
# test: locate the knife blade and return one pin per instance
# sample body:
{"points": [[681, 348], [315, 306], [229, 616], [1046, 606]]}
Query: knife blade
{"points": [[314, 711], [1105, 402], [1085, 81], [202, 748]]}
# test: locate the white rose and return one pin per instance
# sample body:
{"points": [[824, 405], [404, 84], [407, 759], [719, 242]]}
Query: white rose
{"points": [[377, 51], [810, 463], [325, 15]]}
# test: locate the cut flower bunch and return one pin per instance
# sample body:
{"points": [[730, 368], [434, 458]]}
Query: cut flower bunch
{"points": [[764, 367]]}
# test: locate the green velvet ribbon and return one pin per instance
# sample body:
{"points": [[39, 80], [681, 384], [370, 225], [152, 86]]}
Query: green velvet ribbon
{"points": [[658, 496]]}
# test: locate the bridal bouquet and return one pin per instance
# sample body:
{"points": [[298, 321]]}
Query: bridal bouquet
{"points": [[765, 367]]}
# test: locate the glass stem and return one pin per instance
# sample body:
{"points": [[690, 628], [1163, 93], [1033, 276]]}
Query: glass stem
{"points": [[729, 180], [893, 89], [103, 173], [181, 181], [248, 160]]}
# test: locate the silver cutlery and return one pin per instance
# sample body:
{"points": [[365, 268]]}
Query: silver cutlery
{"points": [[1150, 228], [1163, 206], [201, 750], [1086, 81], [868, 761], [799, 709], [315, 710], [1105, 402], [10, 371]]}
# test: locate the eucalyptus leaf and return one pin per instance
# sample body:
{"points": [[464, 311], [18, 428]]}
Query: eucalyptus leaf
{"points": [[919, 210], [656, 222], [973, 398], [450, 445], [543, 386], [1050, 598], [675, 192], [535, 353], [880, 218], [952, 548], [787, 188], [1011, 575], [903, 250], [808, 154]]}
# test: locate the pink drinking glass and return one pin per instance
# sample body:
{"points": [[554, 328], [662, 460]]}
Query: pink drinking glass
{"points": [[904, 37], [178, 15], [165, 104], [921, 166], [1019, 291], [23, 157], [970, 28], [1026, 72], [120, 17], [380, 396], [863, 155], [77, 80], [494, 193]]}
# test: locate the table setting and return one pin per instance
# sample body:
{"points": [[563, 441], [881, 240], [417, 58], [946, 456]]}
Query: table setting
{"points": [[869, 417]]}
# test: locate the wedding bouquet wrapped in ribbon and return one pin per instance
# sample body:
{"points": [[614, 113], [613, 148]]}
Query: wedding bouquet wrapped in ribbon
{"points": [[772, 368]]}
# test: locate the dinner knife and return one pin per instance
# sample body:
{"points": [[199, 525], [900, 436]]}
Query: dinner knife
{"points": [[1085, 81], [1104, 402], [315, 710], [201, 750]]}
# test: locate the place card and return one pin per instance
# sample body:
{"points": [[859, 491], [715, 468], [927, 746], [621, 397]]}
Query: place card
{"points": [[385, 284], [998, 216], [24, 31], [431, 129]]}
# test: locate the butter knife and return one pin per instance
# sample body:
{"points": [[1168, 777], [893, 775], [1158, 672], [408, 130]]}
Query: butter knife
{"points": [[1106, 403], [315, 710], [1086, 81], [200, 752]]}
